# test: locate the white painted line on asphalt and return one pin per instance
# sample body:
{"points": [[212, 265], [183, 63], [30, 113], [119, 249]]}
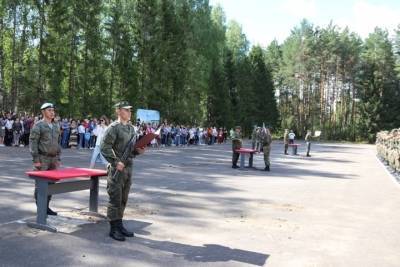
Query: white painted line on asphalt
{"points": [[388, 173], [20, 221]]}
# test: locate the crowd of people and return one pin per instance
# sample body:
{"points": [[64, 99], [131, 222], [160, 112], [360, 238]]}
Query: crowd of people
{"points": [[15, 129], [388, 147], [84, 133]]}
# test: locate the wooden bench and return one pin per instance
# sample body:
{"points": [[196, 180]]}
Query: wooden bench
{"points": [[294, 148], [243, 151], [63, 181]]}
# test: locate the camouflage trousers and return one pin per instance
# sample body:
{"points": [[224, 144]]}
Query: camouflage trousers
{"points": [[266, 150], [118, 186], [235, 158], [308, 148], [47, 163]]}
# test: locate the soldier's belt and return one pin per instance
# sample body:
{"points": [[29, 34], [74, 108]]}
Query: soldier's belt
{"points": [[47, 154]]}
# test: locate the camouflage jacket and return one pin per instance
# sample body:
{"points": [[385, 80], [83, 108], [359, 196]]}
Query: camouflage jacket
{"points": [[254, 135], [115, 140], [265, 139], [236, 141], [307, 138], [286, 138], [44, 140]]}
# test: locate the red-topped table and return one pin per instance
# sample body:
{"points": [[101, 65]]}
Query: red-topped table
{"points": [[243, 151], [294, 148], [63, 181]]}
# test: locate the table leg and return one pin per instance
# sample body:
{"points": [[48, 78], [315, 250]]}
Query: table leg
{"points": [[242, 160], [41, 203], [251, 160], [94, 194]]}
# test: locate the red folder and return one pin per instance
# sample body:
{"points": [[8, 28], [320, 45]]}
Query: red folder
{"points": [[145, 140]]}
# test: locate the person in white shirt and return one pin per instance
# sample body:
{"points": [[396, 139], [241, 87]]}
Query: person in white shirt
{"points": [[292, 135], [99, 132], [81, 133], [214, 135]]}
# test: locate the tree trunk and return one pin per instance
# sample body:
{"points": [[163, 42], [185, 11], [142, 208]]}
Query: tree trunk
{"points": [[13, 59], [41, 85], [3, 91], [71, 81]]}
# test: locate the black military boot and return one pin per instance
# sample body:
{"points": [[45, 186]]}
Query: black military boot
{"points": [[266, 168], [50, 211], [235, 166], [123, 230], [115, 232]]}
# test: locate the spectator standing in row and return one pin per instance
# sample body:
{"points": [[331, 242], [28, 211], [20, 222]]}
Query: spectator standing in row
{"points": [[99, 131], [27, 125], [65, 129], [81, 133], [2, 130], [8, 138], [73, 137], [17, 129]]}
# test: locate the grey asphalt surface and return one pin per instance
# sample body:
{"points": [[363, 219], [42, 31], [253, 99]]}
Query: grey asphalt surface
{"points": [[188, 207]]}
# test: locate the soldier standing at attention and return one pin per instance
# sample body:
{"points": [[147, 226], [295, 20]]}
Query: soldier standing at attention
{"points": [[286, 140], [266, 140], [236, 144], [115, 142], [254, 137], [308, 142], [44, 145]]}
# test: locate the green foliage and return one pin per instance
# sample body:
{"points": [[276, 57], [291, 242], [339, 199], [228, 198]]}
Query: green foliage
{"points": [[182, 58], [378, 86]]}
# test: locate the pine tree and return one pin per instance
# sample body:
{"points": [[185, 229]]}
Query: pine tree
{"points": [[378, 86]]}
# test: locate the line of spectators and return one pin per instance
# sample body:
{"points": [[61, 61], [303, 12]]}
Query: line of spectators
{"points": [[83, 133], [15, 129], [181, 135]]}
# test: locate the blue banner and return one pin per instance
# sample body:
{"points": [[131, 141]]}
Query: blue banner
{"points": [[147, 115]]}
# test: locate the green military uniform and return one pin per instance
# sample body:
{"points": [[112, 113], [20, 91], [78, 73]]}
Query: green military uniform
{"points": [[112, 148], [44, 146], [236, 144], [286, 141], [254, 138], [266, 140], [308, 143]]}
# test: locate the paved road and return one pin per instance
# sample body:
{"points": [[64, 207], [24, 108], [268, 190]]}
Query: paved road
{"points": [[188, 207]]}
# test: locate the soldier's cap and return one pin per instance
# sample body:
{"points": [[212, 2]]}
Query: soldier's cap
{"points": [[47, 105], [238, 127], [123, 104]]}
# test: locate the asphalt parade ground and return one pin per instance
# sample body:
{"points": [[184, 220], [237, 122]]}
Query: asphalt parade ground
{"points": [[188, 207]]}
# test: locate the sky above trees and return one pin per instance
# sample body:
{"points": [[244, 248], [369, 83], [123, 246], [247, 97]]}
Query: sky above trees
{"points": [[266, 20]]}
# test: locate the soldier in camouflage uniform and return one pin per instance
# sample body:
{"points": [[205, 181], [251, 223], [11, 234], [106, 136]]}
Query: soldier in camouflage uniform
{"points": [[236, 144], [308, 142], [266, 140], [254, 136], [286, 140], [115, 141], [44, 145]]}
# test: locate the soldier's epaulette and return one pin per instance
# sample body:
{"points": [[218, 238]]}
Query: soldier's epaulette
{"points": [[113, 124], [39, 122]]}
